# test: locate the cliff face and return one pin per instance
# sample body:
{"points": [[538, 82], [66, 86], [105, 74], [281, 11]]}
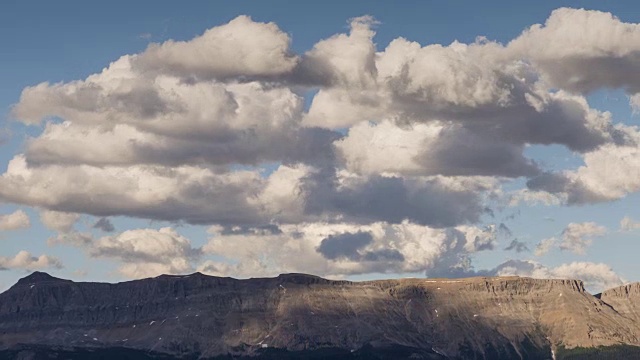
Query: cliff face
{"points": [[625, 300], [488, 318]]}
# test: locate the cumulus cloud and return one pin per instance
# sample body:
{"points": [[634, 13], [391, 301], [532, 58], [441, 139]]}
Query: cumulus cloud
{"points": [[609, 173], [23, 260], [584, 50], [345, 249], [174, 128], [395, 199], [481, 86], [544, 246], [596, 276], [147, 252], [628, 224], [200, 195], [479, 239], [347, 62], [392, 168], [430, 149], [139, 252], [349, 59], [240, 48], [187, 193], [16, 220], [59, 221], [577, 237], [108, 123]]}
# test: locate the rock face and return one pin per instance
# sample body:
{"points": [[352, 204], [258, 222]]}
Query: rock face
{"points": [[204, 316], [625, 300]]}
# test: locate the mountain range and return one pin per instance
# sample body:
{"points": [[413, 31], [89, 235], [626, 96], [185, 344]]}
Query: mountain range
{"points": [[296, 316]]}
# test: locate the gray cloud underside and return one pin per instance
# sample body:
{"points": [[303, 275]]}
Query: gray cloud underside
{"points": [[517, 246], [104, 224]]}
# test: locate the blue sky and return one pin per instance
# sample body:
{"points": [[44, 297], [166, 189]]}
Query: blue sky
{"points": [[67, 42]]}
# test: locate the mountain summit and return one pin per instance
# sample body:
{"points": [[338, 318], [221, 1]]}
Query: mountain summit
{"points": [[37, 277], [200, 316]]}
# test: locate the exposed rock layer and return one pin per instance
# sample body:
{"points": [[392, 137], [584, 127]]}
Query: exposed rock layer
{"points": [[501, 317], [625, 300]]}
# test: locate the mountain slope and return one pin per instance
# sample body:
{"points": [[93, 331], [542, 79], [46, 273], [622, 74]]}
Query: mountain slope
{"points": [[625, 300], [198, 315]]}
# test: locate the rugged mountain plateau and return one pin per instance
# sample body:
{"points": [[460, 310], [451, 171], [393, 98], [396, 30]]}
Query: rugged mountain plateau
{"points": [[297, 316]]}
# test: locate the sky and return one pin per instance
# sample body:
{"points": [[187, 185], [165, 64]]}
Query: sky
{"points": [[354, 141]]}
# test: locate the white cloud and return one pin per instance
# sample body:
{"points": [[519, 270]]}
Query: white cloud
{"points": [[283, 194], [609, 173], [579, 32], [480, 85], [577, 237], [349, 59], [73, 238], [172, 129], [429, 149], [241, 47], [385, 147], [344, 249], [628, 224], [212, 130], [457, 75], [634, 102], [544, 246], [200, 195], [186, 193], [583, 50], [533, 197], [61, 222], [116, 119], [23, 260], [596, 276], [479, 239], [144, 243], [347, 64], [147, 252], [16, 220]]}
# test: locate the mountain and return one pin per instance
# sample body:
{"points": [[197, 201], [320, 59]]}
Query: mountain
{"points": [[625, 300], [304, 316]]}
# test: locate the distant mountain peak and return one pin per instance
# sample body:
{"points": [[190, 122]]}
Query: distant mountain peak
{"points": [[38, 277], [627, 290]]}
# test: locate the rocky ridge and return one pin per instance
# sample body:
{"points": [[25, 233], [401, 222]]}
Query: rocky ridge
{"points": [[625, 300], [205, 316]]}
